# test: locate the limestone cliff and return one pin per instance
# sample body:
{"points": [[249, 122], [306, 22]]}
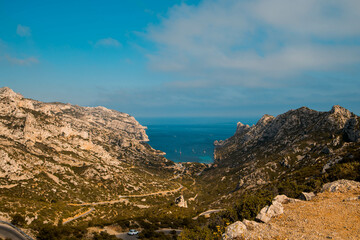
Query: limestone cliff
{"points": [[276, 133], [62, 151]]}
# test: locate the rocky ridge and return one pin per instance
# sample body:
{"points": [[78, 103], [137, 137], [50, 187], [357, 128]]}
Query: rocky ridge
{"points": [[290, 128], [56, 151], [277, 146]]}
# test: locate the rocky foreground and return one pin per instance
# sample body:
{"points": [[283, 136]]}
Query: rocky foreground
{"points": [[334, 213]]}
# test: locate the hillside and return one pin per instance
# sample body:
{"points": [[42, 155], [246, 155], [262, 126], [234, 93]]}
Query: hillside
{"points": [[54, 155], [293, 152]]}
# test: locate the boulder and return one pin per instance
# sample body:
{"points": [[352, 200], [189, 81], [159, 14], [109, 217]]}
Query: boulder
{"points": [[268, 212], [326, 150], [276, 208], [283, 199], [235, 230], [307, 196], [250, 225], [340, 186]]}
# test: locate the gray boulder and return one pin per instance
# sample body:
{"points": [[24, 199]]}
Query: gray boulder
{"points": [[307, 196], [276, 208], [340, 186], [235, 230], [250, 225], [283, 199]]}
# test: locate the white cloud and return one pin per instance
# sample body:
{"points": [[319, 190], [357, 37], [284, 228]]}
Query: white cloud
{"points": [[260, 39], [19, 61], [23, 31], [108, 42]]}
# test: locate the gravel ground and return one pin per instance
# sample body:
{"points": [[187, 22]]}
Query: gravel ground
{"points": [[327, 216]]}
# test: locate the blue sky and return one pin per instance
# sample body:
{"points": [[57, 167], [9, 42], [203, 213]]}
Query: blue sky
{"points": [[173, 58]]}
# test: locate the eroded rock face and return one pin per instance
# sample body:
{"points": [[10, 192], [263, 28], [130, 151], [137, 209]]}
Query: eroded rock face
{"points": [[288, 128], [277, 146], [79, 146]]}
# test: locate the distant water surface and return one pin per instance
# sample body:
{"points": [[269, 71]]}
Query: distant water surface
{"points": [[189, 140]]}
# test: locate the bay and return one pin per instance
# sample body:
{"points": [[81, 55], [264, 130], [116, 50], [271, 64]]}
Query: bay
{"points": [[189, 139]]}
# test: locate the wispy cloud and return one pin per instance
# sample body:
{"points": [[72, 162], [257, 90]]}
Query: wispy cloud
{"points": [[266, 40], [108, 42], [23, 31], [24, 61]]}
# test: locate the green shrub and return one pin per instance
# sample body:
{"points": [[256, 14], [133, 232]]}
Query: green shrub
{"points": [[249, 205], [347, 170], [197, 233], [18, 220], [151, 234], [104, 236], [51, 232]]}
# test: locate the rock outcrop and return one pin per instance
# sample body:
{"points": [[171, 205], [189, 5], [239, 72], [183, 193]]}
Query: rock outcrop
{"points": [[341, 186], [331, 215], [235, 230], [275, 209], [180, 202]]}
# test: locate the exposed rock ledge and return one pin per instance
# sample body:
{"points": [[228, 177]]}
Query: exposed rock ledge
{"points": [[332, 214]]}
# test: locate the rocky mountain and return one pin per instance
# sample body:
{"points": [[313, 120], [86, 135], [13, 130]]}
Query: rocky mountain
{"points": [[275, 134], [300, 149], [54, 152], [260, 171]]}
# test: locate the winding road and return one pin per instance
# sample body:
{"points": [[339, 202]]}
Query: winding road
{"points": [[127, 196], [208, 212], [7, 231], [78, 216]]}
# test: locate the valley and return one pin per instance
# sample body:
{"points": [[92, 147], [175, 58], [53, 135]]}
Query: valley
{"points": [[66, 168]]}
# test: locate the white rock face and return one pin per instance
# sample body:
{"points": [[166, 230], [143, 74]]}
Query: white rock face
{"points": [[69, 146]]}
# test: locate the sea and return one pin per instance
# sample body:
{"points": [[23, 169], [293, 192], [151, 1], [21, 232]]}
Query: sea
{"points": [[189, 139]]}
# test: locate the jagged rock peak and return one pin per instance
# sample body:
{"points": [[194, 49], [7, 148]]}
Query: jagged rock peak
{"points": [[8, 92], [338, 110], [241, 127], [288, 129], [264, 120]]}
